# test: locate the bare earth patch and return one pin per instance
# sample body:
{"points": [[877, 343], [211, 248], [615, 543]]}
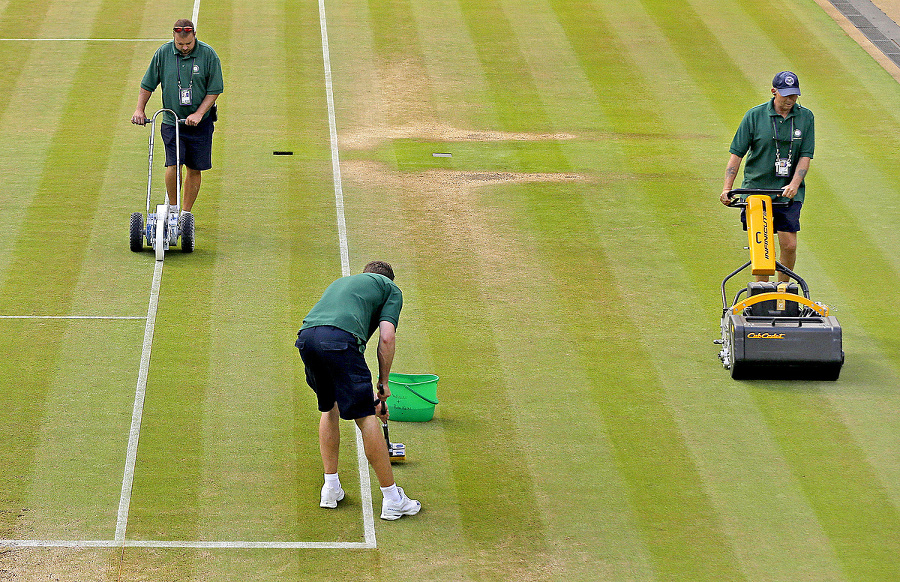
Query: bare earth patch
{"points": [[367, 138], [56, 565]]}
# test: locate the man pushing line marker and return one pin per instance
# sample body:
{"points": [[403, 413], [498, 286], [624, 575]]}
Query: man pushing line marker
{"points": [[191, 77]]}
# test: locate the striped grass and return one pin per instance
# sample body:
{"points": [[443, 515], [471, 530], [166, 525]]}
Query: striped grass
{"points": [[561, 274]]}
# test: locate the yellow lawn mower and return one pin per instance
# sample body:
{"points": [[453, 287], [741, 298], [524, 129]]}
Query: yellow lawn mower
{"points": [[773, 329]]}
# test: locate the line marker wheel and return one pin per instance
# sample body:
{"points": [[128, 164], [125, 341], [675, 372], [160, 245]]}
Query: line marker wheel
{"points": [[137, 232], [187, 232]]}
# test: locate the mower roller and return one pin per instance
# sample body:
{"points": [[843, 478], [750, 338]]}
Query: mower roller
{"points": [[164, 227], [776, 331]]}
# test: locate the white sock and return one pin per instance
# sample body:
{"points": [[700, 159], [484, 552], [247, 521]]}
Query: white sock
{"points": [[391, 493], [332, 480]]}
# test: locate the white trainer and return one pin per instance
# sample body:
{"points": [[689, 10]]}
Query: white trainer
{"points": [[330, 497], [392, 510]]}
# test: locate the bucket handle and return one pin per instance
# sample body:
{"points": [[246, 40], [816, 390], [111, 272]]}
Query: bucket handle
{"points": [[429, 400]]}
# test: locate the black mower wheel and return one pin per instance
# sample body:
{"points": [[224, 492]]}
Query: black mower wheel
{"points": [[739, 371], [137, 232], [187, 232], [830, 372]]}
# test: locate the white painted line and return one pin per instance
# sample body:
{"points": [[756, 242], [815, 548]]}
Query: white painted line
{"points": [[365, 490], [72, 317], [140, 392], [196, 13], [335, 158], [364, 481], [58, 544], [138, 410], [184, 544], [84, 39], [249, 545]]}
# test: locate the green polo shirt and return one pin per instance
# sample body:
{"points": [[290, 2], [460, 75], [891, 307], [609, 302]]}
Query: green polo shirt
{"points": [[200, 70], [357, 304], [758, 136]]}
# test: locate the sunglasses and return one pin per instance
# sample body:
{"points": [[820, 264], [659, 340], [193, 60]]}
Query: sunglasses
{"points": [[183, 29]]}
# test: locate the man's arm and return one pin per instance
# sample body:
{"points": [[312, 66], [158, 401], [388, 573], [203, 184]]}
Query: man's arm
{"points": [[197, 116], [140, 117], [802, 168], [386, 345], [731, 171]]}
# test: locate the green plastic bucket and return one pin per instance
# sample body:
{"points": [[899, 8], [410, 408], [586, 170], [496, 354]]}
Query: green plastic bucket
{"points": [[413, 397]]}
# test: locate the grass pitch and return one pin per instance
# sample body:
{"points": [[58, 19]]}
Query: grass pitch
{"points": [[561, 272]]}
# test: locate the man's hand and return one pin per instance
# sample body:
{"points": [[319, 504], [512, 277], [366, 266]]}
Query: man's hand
{"points": [[789, 191], [381, 396], [381, 410], [139, 117], [194, 118], [725, 197]]}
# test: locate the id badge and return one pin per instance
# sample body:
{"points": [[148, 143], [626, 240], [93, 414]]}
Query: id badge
{"points": [[185, 96], [782, 167]]}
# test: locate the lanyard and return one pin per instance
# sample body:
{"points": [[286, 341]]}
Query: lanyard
{"points": [[775, 134], [178, 73]]}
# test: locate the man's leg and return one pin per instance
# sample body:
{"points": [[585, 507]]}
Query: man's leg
{"points": [[192, 180], [330, 440], [787, 243], [171, 184], [376, 449]]}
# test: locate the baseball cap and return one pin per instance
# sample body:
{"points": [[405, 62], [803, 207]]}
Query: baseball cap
{"points": [[787, 83]]}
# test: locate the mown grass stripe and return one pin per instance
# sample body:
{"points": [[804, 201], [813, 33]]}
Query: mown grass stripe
{"points": [[862, 523], [689, 34], [311, 251], [514, 97], [21, 14], [496, 496], [762, 510], [44, 253], [393, 31], [506, 536], [168, 486], [654, 407], [677, 521]]}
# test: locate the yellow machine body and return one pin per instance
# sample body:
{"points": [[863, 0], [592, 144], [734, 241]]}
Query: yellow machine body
{"points": [[761, 235]]}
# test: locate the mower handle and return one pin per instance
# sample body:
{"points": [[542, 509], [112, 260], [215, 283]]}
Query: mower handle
{"points": [[735, 201], [148, 121]]}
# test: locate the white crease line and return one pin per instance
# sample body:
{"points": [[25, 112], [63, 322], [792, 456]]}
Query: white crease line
{"points": [[365, 486], [249, 545], [138, 410], [335, 157], [84, 39], [58, 544], [182, 544], [72, 317], [365, 491], [196, 13]]}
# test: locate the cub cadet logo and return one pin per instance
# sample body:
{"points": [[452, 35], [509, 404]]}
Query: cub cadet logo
{"points": [[764, 233], [765, 335]]}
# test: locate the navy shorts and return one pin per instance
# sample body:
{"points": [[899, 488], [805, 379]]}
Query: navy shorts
{"points": [[196, 144], [337, 371], [786, 218]]}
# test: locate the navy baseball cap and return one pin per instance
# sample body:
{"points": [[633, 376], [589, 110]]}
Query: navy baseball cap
{"points": [[787, 83]]}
